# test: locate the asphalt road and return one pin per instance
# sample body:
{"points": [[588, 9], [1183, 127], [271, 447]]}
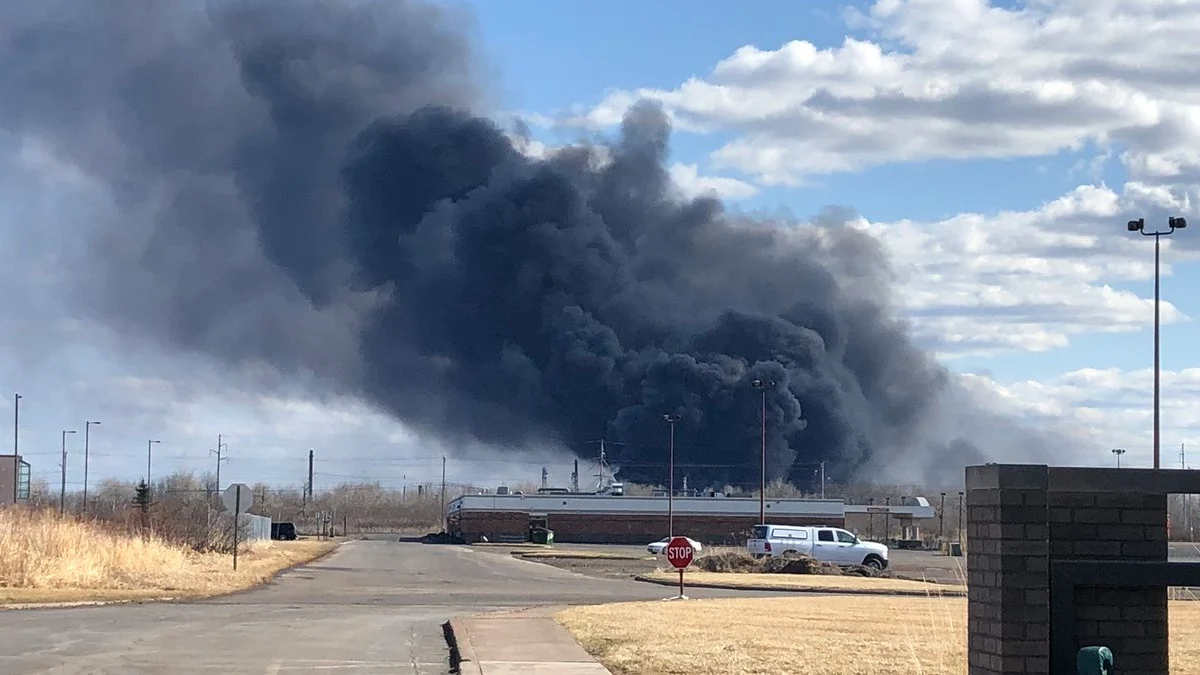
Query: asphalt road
{"points": [[372, 607]]}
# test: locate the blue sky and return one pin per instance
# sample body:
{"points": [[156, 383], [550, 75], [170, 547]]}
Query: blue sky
{"points": [[971, 138]]}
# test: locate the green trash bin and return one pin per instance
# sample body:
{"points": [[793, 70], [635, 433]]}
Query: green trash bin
{"points": [[549, 538], [1094, 661], [541, 535]]}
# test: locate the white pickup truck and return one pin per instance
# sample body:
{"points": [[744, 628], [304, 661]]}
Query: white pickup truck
{"points": [[827, 544]]}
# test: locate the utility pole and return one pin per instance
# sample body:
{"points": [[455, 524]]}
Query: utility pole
{"points": [[443, 499], [822, 480], [310, 475], [220, 447], [62, 499], [575, 478], [87, 425], [149, 444]]}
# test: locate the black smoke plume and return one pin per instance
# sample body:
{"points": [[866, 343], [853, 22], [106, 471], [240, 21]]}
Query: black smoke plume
{"points": [[309, 184]]}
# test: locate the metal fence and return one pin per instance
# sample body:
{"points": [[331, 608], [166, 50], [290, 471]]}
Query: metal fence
{"points": [[251, 527]]}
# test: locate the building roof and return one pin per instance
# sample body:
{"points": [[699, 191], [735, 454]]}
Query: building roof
{"points": [[712, 506], [628, 505]]}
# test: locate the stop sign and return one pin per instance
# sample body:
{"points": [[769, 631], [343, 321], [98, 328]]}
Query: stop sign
{"points": [[680, 552]]}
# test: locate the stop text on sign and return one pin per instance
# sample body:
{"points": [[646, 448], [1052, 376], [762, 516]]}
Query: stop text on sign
{"points": [[680, 553]]}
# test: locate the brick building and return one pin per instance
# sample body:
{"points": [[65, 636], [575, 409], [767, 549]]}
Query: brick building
{"points": [[606, 519], [14, 479]]}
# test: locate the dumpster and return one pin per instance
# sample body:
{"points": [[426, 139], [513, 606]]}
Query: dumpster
{"points": [[1094, 661], [541, 535]]}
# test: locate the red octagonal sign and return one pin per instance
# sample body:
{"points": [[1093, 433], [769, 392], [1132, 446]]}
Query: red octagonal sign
{"points": [[680, 552]]}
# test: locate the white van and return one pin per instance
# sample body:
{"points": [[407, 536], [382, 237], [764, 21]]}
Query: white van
{"points": [[827, 544]]}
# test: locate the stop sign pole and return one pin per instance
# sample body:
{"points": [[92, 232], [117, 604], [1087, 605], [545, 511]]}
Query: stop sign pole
{"points": [[680, 554]]}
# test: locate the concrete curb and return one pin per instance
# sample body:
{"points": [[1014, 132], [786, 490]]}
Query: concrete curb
{"points": [[821, 591], [69, 604], [463, 660], [545, 555]]}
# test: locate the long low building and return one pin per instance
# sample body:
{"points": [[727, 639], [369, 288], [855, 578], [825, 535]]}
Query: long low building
{"points": [[608, 519]]}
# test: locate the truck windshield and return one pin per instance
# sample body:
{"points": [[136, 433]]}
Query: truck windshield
{"points": [[760, 532]]}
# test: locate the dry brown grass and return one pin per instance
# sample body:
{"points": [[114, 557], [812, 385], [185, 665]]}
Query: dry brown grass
{"points": [[806, 582], [44, 558], [825, 635]]}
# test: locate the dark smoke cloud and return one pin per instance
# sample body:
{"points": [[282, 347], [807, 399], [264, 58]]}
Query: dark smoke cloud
{"points": [[308, 184]]}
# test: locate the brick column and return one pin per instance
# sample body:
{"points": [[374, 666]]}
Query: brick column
{"points": [[1008, 570]]}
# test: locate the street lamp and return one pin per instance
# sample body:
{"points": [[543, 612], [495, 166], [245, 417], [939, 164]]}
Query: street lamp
{"points": [[942, 519], [149, 444], [1118, 452], [671, 420], [762, 386], [1139, 225], [16, 435], [62, 498], [86, 437]]}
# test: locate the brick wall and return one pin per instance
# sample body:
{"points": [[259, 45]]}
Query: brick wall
{"points": [[1129, 526], [1022, 518], [625, 529], [472, 526]]}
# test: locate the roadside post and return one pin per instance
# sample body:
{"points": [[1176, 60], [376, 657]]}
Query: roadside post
{"points": [[680, 554], [238, 499]]}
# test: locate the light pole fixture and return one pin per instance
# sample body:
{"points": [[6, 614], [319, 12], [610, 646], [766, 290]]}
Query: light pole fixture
{"points": [[1139, 225], [62, 497], [87, 426], [1118, 452], [962, 507], [149, 444], [942, 519], [16, 448], [671, 420], [763, 386]]}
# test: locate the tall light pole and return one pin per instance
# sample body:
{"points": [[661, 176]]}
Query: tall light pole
{"points": [[149, 444], [671, 420], [87, 425], [62, 497], [1139, 225], [16, 448], [1118, 452], [762, 386]]}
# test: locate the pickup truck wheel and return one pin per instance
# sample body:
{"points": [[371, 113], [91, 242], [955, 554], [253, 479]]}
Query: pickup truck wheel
{"points": [[873, 561]]}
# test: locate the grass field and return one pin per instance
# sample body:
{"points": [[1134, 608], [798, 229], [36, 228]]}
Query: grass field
{"points": [[807, 582], [47, 559], [827, 635]]}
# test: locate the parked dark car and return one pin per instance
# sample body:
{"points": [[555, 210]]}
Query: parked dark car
{"points": [[283, 531]]}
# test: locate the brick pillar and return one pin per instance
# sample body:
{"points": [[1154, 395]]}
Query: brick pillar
{"points": [[1113, 526], [1008, 570]]}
